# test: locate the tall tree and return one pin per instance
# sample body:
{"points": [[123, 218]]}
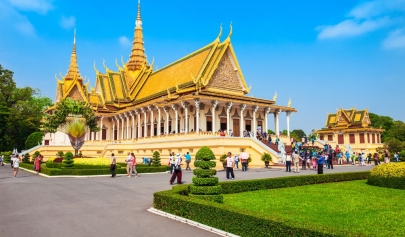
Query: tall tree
{"points": [[299, 133]]}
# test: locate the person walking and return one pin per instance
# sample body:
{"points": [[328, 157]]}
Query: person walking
{"points": [[321, 160], [244, 164], [113, 165], [340, 159], [188, 160], [37, 163], [369, 159], [133, 165], [129, 165], [269, 139], [376, 159], [177, 170], [354, 157], [16, 164], [296, 159], [230, 162], [236, 159], [288, 160], [2, 160], [277, 139], [330, 161], [396, 157], [171, 162], [308, 158], [386, 157]]}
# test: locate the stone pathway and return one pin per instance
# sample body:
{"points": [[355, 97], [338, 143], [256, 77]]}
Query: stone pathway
{"points": [[100, 206]]}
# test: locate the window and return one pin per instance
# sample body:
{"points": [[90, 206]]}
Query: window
{"points": [[361, 137], [352, 140]]}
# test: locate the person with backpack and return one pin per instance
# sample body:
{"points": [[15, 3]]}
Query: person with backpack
{"points": [[177, 170]]}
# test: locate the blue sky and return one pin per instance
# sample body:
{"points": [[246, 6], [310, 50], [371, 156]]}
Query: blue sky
{"points": [[321, 54]]}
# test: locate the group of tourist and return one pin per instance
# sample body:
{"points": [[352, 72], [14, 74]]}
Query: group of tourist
{"points": [[16, 159]]}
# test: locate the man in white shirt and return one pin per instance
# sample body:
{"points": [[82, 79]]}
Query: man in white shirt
{"points": [[229, 166]]}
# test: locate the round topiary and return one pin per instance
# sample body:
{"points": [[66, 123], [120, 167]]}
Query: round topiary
{"points": [[200, 173], [211, 181], [205, 164], [156, 159], [205, 154], [390, 175]]}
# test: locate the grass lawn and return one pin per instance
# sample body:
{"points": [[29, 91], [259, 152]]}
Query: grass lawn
{"points": [[345, 208]]}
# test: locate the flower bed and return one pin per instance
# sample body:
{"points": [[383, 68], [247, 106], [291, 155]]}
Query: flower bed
{"points": [[391, 175]]}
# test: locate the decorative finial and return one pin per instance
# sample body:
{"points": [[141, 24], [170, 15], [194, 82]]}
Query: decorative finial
{"points": [[289, 103], [138, 17], [74, 37], [230, 32], [220, 32], [275, 96]]}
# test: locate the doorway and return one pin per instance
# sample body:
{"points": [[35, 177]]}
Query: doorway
{"points": [[209, 123], [223, 124], [236, 126], [248, 125]]}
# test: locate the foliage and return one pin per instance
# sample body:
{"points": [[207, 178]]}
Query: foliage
{"points": [[35, 155], [205, 186], [21, 110], [295, 136], [242, 222], [34, 139], [60, 154], [205, 153], [26, 158], [391, 175], [266, 157], [69, 107], [7, 155], [270, 132], [300, 133], [92, 161], [393, 129], [393, 145], [156, 159], [68, 161]]}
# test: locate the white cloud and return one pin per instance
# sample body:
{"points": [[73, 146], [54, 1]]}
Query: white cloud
{"points": [[395, 40], [377, 8], [67, 22], [350, 28], [40, 6], [124, 41], [25, 27], [11, 18]]}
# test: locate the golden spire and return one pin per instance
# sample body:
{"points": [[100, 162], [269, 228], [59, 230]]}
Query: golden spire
{"points": [[137, 59], [73, 70]]}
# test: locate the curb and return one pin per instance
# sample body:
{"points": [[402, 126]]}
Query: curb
{"points": [[190, 222]]}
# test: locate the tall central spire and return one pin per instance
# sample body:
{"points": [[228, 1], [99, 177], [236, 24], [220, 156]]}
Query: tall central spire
{"points": [[73, 70], [137, 58]]}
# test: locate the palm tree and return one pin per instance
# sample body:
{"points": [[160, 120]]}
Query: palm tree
{"points": [[76, 129]]}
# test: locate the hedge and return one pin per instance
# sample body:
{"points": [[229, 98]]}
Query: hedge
{"points": [[179, 201], [391, 175], [100, 171], [205, 181], [200, 173]]}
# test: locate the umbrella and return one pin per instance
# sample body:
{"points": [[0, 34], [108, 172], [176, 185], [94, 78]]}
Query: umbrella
{"points": [[244, 155]]}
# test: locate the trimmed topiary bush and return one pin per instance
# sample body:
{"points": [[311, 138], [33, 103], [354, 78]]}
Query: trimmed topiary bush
{"points": [[156, 159], [68, 160], [34, 139], [60, 154], [26, 158], [391, 175], [205, 186]]}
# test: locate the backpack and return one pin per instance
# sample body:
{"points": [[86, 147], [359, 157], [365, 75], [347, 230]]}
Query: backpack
{"points": [[236, 158]]}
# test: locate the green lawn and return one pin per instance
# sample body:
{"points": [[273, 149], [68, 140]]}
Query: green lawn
{"points": [[347, 208]]}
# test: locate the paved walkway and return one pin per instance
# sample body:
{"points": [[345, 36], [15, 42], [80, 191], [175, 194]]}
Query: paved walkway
{"points": [[99, 206]]}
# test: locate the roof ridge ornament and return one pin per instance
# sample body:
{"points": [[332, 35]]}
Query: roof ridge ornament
{"points": [[95, 69], [230, 33], [220, 33]]}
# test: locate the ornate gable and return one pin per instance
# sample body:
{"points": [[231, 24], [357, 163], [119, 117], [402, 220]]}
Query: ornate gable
{"points": [[75, 93], [226, 75]]}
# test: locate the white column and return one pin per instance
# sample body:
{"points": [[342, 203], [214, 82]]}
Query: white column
{"points": [[176, 117], [133, 124], [254, 110], [101, 129], [138, 114], [112, 138], [266, 119], [152, 125], [197, 115], [127, 129], [166, 109], [288, 123], [159, 120], [145, 127], [214, 107], [276, 116], [242, 119], [228, 111], [185, 107], [122, 127]]}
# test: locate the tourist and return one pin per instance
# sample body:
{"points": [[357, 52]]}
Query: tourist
{"points": [[314, 162], [221, 133], [386, 157], [360, 159], [229, 166], [292, 141], [304, 161], [340, 159], [113, 165], [376, 159], [321, 160], [288, 160], [37, 163], [133, 165], [188, 160], [244, 164], [303, 140], [296, 159], [129, 165], [313, 140], [308, 158], [16, 164], [330, 161], [171, 162], [347, 157], [269, 139], [369, 159], [326, 160], [177, 170], [236, 159], [277, 140], [354, 157], [2, 160], [396, 157]]}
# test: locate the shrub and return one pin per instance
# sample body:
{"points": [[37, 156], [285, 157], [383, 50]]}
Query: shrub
{"points": [[92, 161], [68, 160], [204, 185], [33, 139], [35, 155], [156, 159], [26, 158], [179, 201], [58, 160], [60, 154], [7, 156], [391, 175], [266, 157]]}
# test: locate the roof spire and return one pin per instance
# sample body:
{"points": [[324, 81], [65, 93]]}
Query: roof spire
{"points": [[137, 59], [73, 70]]}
